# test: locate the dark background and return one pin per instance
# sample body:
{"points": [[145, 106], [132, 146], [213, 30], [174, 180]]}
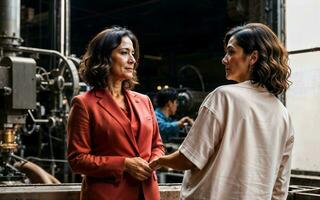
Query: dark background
{"points": [[172, 34]]}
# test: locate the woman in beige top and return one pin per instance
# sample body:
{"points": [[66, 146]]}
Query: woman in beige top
{"points": [[240, 145]]}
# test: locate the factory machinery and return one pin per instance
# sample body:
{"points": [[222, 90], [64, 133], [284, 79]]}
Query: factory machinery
{"points": [[34, 105]]}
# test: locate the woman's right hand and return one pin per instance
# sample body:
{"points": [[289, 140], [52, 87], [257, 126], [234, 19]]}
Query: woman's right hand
{"points": [[137, 168]]}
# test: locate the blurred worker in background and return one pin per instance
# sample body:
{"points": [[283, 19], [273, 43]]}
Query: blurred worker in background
{"points": [[112, 131], [240, 146], [167, 107]]}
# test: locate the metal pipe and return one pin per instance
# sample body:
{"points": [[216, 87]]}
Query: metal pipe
{"points": [[304, 50], [62, 27], [46, 160], [67, 33], [37, 120], [42, 51], [35, 173], [10, 23]]}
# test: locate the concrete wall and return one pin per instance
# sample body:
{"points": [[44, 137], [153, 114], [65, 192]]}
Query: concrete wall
{"points": [[303, 97]]}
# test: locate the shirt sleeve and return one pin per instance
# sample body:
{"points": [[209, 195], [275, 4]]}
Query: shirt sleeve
{"points": [[204, 135], [280, 189]]}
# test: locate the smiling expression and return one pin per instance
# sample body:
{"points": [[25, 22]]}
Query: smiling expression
{"points": [[236, 62]]}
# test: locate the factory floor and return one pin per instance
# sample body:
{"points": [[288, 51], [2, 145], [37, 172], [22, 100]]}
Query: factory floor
{"points": [[302, 187]]}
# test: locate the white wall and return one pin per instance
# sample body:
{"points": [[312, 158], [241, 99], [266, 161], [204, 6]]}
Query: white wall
{"points": [[303, 97]]}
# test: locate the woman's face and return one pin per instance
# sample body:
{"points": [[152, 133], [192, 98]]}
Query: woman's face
{"points": [[236, 62], [123, 61]]}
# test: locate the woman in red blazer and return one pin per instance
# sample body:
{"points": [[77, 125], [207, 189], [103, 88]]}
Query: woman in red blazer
{"points": [[112, 131]]}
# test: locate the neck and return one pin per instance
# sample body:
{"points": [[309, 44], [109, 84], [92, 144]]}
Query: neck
{"points": [[165, 111], [115, 88]]}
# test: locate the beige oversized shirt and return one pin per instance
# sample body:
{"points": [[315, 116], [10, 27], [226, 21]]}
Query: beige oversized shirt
{"points": [[241, 143]]}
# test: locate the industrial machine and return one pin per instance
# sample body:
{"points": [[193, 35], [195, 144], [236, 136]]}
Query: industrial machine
{"points": [[34, 100]]}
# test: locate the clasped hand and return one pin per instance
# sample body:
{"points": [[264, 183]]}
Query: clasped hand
{"points": [[139, 168]]}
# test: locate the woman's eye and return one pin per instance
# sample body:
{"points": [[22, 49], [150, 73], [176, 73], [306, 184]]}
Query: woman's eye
{"points": [[124, 52]]}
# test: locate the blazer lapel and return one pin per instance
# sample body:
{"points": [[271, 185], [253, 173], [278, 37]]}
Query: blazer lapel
{"points": [[108, 104], [135, 102]]}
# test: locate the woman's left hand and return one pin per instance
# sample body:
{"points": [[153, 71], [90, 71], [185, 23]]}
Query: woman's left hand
{"points": [[138, 168]]}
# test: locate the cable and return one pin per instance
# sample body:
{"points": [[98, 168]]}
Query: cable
{"points": [[196, 71]]}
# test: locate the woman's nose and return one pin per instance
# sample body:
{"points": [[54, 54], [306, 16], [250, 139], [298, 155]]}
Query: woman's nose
{"points": [[132, 59], [224, 60]]}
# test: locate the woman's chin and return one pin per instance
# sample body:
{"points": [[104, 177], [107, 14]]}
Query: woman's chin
{"points": [[127, 77], [228, 77]]}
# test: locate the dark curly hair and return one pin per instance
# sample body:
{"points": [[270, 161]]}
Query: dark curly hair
{"points": [[96, 62], [271, 69]]}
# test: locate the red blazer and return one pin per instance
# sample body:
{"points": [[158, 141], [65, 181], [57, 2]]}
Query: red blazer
{"points": [[99, 139]]}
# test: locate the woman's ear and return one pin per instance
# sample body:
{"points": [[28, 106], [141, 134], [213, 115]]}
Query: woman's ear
{"points": [[254, 57]]}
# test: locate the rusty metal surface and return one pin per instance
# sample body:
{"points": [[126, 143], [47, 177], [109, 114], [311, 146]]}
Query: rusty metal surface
{"points": [[69, 191], [40, 191]]}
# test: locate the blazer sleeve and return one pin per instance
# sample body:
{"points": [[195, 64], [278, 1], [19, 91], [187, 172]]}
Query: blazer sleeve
{"points": [[157, 145], [80, 157]]}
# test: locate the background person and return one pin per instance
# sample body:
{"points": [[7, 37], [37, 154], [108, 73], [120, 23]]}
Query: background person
{"points": [[112, 131], [167, 107], [241, 142]]}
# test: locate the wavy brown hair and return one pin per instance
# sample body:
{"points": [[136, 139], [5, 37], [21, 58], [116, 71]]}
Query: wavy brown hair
{"points": [[96, 62], [271, 69]]}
